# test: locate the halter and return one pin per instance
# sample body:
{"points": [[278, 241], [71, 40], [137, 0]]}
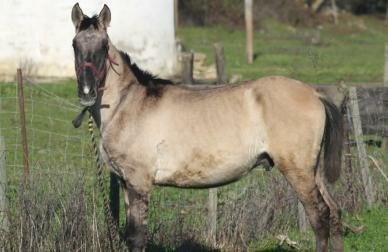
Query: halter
{"points": [[98, 73]]}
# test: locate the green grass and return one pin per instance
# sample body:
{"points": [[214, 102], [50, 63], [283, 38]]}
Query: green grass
{"points": [[169, 207], [353, 51], [375, 235], [346, 52], [373, 238]]}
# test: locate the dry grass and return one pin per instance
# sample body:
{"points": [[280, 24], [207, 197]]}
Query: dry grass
{"points": [[54, 214]]}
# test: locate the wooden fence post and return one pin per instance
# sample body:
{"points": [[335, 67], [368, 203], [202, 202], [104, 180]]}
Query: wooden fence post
{"points": [[302, 220], [220, 63], [212, 217], [385, 138], [386, 65], [187, 68], [249, 30], [114, 197], [22, 116], [362, 155], [3, 184]]}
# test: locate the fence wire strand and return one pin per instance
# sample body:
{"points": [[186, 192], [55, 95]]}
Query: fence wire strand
{"points": [[62, 169]]}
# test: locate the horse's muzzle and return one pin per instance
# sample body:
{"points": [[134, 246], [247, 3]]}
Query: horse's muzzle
{"points": [[87, 101], [87, 95]]}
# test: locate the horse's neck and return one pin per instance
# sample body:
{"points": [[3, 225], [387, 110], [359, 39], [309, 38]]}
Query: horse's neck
{"points": [[117, 81]]}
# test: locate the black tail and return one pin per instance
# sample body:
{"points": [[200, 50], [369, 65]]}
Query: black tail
{"points": [[333, 141]]}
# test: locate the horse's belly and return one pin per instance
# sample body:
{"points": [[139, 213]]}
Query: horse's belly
{"points": [[208, 154], [204, 171]]}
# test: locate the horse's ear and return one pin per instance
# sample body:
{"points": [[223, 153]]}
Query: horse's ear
{"points": [[77, 15], [105, 16]]}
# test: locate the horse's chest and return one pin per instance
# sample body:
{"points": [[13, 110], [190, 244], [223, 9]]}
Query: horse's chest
{"points": [[112, 164]]}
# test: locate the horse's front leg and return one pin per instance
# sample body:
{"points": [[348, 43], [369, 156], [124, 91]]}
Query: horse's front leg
{"points": [[136, 207]]}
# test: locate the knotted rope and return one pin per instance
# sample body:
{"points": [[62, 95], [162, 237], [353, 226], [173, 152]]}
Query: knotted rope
{"points": [[113, 235]]}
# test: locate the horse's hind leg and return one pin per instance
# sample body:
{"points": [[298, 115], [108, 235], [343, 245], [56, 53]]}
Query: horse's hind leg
{"points": [[336, 237], [303, 182], [318, 213], [136, 205]]}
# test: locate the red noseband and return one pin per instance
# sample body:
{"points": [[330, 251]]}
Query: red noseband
{"points": [[98, 73]]}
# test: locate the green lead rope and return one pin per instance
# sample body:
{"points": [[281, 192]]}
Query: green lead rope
{"points": [[114, 238]]}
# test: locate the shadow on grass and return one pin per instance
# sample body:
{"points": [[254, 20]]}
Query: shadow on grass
{"points": [[192, 246], [277, 249], [185, 246]]}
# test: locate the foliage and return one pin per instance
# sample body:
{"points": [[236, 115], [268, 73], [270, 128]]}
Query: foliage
{"points": [[352, 51], [295, 12], [204, 12], [363, 6], [231, 12]]}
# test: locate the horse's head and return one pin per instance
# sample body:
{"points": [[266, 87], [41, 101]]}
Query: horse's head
{"points": [[91, 45]]}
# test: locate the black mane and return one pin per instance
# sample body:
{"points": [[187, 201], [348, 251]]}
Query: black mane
{"points": [[89, 21], [153, 84]]}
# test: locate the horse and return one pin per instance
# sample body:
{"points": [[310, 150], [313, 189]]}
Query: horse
{"points": [[154, 132]]}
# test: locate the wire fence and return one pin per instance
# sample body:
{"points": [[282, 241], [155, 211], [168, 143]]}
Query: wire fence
{"points": [[60, 209], [52, 141]]}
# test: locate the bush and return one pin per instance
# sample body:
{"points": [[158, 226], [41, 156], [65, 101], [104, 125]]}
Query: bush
{"points": [[231, 12]]}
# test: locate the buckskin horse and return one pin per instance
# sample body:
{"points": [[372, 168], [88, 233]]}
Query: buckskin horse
{"points": [[156, 133]]}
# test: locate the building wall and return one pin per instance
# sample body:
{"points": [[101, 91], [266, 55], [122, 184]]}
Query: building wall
{"points": [[37, 35]]}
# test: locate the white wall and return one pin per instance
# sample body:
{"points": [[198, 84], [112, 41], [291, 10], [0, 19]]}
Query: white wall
{"points": [[37, 34]]}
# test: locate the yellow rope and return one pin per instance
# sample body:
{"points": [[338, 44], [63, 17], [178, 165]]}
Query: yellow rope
{"points": [[114, 238]]}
